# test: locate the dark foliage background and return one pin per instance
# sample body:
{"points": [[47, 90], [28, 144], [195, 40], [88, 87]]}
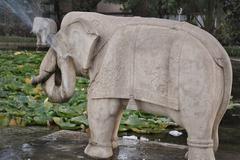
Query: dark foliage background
{"points": [[220, 17]]}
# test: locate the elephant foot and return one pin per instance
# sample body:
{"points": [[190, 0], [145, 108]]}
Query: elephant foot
{"points": [[186, 155], [97, 151], [200, 154], [115, 144], [44, 44], [200, 149]]}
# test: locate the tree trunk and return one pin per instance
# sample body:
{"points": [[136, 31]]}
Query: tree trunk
{"points": [[210, 12], [141, 9], [57, 11]]}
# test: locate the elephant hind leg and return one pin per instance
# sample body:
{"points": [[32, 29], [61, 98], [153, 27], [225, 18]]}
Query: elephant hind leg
{"points": [[222, 105], [215, 138], [102, 115], [200, 149], [200, 142], [199, 123]]}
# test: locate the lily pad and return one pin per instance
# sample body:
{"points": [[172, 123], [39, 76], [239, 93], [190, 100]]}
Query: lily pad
{"points": [[40, 120], [64, 111], [134, 120], [65, 125], [79, 120], [25, 105], [4, 120]]}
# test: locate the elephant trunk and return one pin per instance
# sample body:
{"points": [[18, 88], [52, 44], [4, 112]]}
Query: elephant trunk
{"points": [[60, 86], [47, 68]]}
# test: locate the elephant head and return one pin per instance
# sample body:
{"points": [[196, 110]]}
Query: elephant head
{"points": [[43, 28], [70, 55]]}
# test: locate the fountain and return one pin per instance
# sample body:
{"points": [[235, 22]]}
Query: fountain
{"points": [[24, 10]]}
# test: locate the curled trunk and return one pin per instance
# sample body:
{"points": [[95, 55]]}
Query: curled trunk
{"points": [[60, 86], [58, 77], [47, 67]]}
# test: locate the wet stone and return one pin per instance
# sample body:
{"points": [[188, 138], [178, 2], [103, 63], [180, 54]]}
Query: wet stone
{"points": [[69, 145]]}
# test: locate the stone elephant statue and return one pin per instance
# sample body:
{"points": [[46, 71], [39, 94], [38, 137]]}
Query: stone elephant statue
{"points": [[155, 65], [42, 28]]}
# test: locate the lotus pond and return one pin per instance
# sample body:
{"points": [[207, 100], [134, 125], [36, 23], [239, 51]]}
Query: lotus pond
{"points": [[21, 104]]}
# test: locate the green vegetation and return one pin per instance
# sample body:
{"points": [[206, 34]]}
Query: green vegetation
{"points": [[21, 104], [233, 51], [17, 39], [219, 17], [85, 5]]}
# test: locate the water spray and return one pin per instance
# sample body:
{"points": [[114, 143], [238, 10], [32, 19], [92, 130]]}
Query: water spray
{"points": [[18, 8]]}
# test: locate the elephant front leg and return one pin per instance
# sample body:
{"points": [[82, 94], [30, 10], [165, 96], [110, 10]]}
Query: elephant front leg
{"points": [[116, 128], [102, 114], [44, 35], [200, 149], [39, 42]]}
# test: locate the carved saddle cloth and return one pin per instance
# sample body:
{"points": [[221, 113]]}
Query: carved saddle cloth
{"points": [[141, 62]]}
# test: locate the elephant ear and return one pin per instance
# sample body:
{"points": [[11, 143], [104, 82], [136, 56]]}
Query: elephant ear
{"points": [[82, 40], [59, 43]]}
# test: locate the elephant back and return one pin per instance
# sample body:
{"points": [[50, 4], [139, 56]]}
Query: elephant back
{"points": [[141, 62]]}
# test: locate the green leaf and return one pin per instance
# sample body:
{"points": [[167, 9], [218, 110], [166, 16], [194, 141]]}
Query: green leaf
{"points": [[123, 128], [4, 120], [79, 120], [64, 111], [47, 105], [65, 125], [134, 120], [40, 120]]}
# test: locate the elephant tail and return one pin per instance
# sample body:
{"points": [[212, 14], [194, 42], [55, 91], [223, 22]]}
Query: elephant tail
{"points": [[227, 76]]}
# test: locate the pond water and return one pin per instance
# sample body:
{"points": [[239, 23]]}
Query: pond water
{"points": [[38, 143]]}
